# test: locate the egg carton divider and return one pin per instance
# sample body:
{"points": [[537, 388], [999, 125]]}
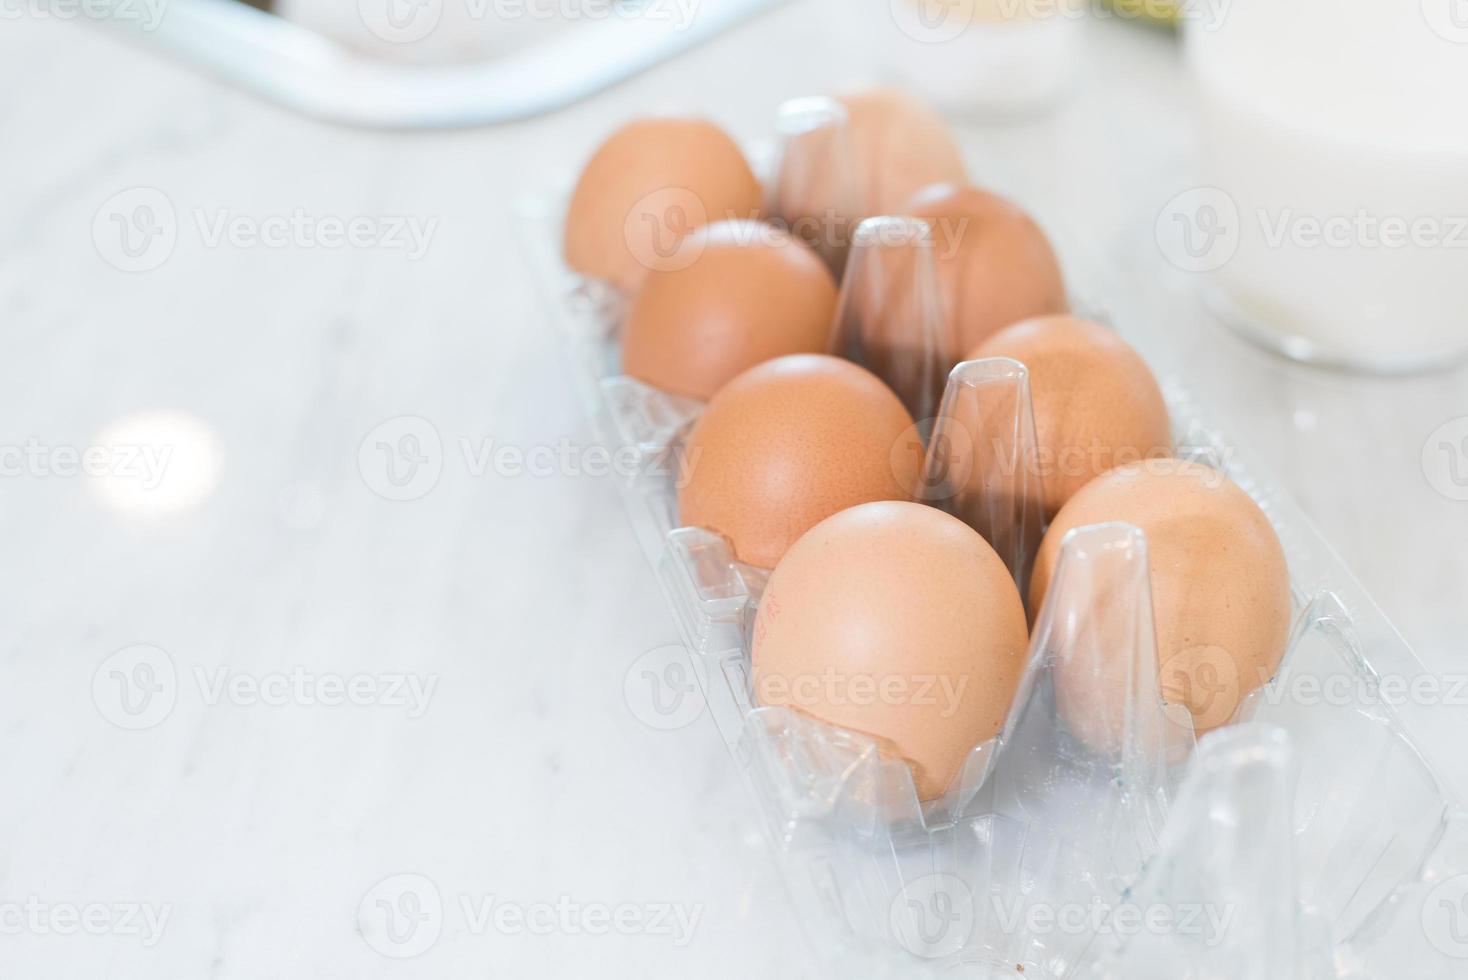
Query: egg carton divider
{"points": [[1372, 825]]}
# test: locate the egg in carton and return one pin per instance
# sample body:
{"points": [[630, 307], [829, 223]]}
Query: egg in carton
{"points": [[1328, 817]]}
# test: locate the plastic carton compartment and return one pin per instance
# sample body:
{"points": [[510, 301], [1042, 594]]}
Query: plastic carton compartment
{"points": [[1302, 841]]}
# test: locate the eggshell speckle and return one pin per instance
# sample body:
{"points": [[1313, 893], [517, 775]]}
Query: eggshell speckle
{"points": [[1096, 403], [752, 293], [788, 443], [900, 622], [650, 184], [1220, 586], [995, 265]]}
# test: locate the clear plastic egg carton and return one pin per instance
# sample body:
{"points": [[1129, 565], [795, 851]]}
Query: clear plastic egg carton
{"points": [[1308, 839]]}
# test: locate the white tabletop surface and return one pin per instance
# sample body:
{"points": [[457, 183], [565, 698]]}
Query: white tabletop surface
{"points": [[254, 832]]}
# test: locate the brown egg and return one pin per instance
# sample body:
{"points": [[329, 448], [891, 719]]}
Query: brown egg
{"points": [[751, 293], [995, 265], [897, 621], [1096, 403], [900, 146], [1220, 591], [786, 445], [853, 157], [653, 181]]}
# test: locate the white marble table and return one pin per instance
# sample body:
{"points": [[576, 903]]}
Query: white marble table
{"points": [[235, 824]]}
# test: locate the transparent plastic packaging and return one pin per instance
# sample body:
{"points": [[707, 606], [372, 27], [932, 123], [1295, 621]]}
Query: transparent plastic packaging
{"points": [[889, 318], [814, 191], [1309, 828]]}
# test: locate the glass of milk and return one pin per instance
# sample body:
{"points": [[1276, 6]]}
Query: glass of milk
{"points": [[1333, 224]]}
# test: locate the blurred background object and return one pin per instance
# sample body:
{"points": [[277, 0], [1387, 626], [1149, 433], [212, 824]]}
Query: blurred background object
{"points": [[1334, 221], [418, 64], [1155, 11], [982, 58]]}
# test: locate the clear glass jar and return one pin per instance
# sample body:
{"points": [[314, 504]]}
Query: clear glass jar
{"points": [[1335, 156]]}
